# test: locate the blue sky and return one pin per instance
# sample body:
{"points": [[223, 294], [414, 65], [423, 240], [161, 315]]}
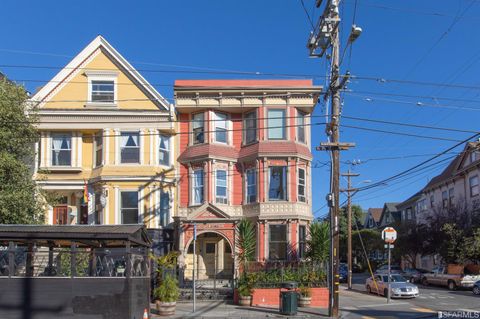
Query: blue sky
{"points": [[428, 41]]}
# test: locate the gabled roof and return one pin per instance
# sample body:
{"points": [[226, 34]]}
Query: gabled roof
{"points": [[452, 168], [74, 66], [376, 213]]}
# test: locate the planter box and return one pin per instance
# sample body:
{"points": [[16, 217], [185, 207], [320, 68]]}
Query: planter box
{"points": [[271, 297]]}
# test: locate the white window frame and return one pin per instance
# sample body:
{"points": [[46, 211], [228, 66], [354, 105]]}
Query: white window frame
{"points": [[282, 127], [102, 76], [52, 149], [221, 199], [119, 199], [226, 128], [255, 129], [247, 186], [193, 187], [194, 142], [285, 171], [168, 149], [301, 126], [159, 210], [476, 185], [139, 146], [302, 198]]}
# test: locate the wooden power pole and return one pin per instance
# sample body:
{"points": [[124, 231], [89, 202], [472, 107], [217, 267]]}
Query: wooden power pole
{"points": [[350, 191], [325, 36]]}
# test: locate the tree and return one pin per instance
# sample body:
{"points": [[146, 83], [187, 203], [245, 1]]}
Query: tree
{"points": [[19, 200], [246, 242], [318, 245], [410, 242], [357, 215], [371, 240]]}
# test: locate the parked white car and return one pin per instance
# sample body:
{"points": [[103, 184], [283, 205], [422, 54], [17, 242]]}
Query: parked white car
{"points": [[400, 287]]}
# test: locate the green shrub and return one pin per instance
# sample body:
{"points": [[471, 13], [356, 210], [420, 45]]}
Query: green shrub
{"points": [[168, 290]]}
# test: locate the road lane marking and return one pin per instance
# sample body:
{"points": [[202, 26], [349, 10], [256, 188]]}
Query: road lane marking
{"points": [[367, 317], [422, 309], [385, 304]]}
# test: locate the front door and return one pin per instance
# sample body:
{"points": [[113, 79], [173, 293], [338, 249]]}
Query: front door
{"points": [[210, 257], [60, 215]]}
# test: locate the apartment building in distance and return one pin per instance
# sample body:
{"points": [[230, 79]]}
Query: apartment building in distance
{"points": [[244, 152]]}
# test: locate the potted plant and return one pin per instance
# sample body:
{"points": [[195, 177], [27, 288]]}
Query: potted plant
{"points": [[166, 296], [245, 252], [244, 292], [305, 296]]}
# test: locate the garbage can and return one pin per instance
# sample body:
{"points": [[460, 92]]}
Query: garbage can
{"points": [[288, 298]]}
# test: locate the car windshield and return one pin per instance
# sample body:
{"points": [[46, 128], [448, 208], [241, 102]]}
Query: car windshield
{"points": [[394, 278]]}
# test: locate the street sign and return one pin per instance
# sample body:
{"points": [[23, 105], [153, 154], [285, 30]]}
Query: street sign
{"points": [[389, 235]]}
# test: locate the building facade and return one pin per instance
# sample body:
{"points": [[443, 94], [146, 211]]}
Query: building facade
{"points": [[106, 153], [244, 152]]}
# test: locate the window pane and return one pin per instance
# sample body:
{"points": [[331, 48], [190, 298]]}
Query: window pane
{"points": [[197, 124], [278, 232], [221, 186], [220, 127], [277, 188], [129, 200], [130, 147], [164, 209], [61, 150], [251, 186], [278, 242], [276, 124], [250, 127], [103, 91], [164, 150], [198, 186], [98, 150], [301, 185], [301, 127], [129, 207]]}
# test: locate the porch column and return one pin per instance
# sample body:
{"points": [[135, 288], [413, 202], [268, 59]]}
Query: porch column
{"points": [[265, 240]]}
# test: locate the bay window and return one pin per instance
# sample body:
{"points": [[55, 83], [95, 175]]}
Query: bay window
{"points": [[301, 121], [251, 180], [276, 124], [129, 147], [221, 127], [61, 149], [164, 150], [198, 129], [129, 207], [277, 189], [301, 185], [197, 187], [277, 245], [221, 186], [250, 124]]}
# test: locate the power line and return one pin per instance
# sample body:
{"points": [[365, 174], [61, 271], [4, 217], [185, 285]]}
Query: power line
{"points": [[308, 15], [387, 158]]}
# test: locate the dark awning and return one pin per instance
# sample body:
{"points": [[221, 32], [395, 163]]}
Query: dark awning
{"points": [[136, 234]]}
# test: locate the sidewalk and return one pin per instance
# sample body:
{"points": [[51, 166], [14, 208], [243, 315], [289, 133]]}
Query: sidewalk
{"points": [[221, 309]]}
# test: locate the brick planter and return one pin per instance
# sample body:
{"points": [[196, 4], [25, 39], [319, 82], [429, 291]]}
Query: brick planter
{"points": [[271, 297]]}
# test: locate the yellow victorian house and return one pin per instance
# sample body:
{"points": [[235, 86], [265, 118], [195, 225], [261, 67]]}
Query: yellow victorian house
{"points": [[106, 148]]}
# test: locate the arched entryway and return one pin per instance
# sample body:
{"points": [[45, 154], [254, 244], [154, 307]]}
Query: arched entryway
{"points": [[213, 255]]}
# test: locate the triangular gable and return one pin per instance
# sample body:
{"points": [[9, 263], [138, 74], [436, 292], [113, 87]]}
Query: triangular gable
{"points": [[77, 64], [465, 157], [209, 211]]}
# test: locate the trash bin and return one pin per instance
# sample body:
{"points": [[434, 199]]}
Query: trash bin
{"points": [[288, 298]]}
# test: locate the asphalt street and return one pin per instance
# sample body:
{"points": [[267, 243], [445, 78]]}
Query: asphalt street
{"points": [[431, 300]]}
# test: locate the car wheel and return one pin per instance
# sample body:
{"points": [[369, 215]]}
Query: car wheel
{"points": [[452, 285], [476, 290], [424, 281], [369, 290]]}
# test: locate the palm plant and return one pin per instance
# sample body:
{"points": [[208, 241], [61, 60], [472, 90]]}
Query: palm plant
{"points": [[246, 242], [318, 245]]}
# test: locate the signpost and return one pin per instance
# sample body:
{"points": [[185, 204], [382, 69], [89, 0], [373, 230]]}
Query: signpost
{"points": [[194, 262], [389, 235]]}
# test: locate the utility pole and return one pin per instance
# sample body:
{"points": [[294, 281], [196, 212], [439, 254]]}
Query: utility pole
{"points": [[326, 35], [350, 191]]}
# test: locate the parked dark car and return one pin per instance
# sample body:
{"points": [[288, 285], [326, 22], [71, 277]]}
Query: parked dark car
{"points": [[476, 288], [343, 272], [356, 268], [414, 275]]}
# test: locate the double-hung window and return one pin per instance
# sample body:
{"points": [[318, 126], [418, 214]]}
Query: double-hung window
{"points": [[451, 197], [198, 129], [197, 187], [276, 124], [130, 147], [432, 201], [301, 121], [277, 189], [129, 207], [103, 91], [278, 242], [61, 149], [164, 150], [221, 189], [301, 185], [444, 199], [302, 241], [164, 211], [221, 128], [251, 179], [474, 189], [250, 124], [98, 150]]}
